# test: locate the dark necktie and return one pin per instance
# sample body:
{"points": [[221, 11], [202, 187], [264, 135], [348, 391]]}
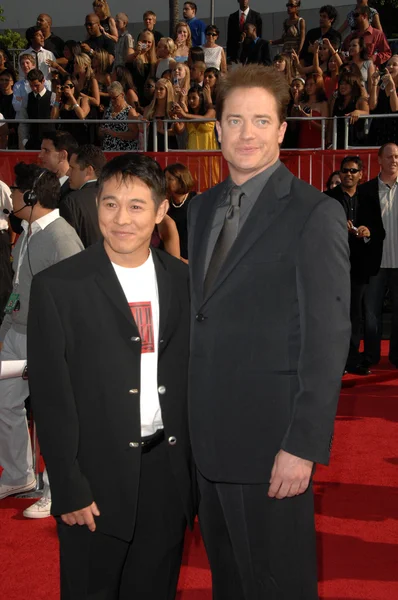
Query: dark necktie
{"points": [[242, 21], [225, 239], [36, 55]]}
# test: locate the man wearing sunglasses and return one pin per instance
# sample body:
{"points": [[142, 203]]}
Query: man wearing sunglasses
{"points": [[96, 40], [365, 237], [375, 40]]}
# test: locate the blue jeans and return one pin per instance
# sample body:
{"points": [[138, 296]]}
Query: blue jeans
{"points": [[373, 309]]}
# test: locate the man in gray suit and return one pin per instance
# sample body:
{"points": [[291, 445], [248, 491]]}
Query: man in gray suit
{"points": [[270, 333]]}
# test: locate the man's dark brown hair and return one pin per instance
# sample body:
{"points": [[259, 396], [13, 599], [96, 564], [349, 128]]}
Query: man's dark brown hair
{"points": [[254, 76]]}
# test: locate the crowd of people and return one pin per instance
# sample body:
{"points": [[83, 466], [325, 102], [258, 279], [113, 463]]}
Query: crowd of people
{"points": [[354, 78]]}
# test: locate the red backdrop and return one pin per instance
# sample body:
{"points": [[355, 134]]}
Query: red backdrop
{"points": [[209, 168]]}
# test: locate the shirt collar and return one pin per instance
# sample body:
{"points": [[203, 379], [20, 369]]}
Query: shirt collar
{"points": [[42, 222], [86, 182], [41, 94], [381, 182], [245, 12], [63, 179], [253, 185], [190, 20]]}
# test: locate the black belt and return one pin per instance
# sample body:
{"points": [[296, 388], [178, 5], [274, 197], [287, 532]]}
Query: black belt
{"points": [[151, 441]]}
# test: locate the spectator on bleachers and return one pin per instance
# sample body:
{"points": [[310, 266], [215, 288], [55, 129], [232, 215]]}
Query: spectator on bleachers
{"points": [[358, 54], [196, 26], [195, 54], [253, 49], [197, 73], [161, 108], [283, 64], [66, 64], [349, 100], [384, 100], [214, 55], [123, 76], [293, 35], [107, 22], [331, 73], [296, 97], [183, 41], [376, 43], [327, 18], [181, 82], [165, 51], [374, 18], [313, 104], [51, 41], [180, 190], [36, 48], [142, 64], [210, 81], [236, 23], [149, 92], [125, 43], [4, 63], [101, 66], [71, 104], [149, 18], [87, 83], [95, 39], [7, 82], [201, 135], [120, 135], [39, 105], [333, 180], [56, 150]]}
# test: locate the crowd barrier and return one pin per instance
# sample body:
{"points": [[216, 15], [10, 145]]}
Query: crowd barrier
{"points": [[209, 168]]}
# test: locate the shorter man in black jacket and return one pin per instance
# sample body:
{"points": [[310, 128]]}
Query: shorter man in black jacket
{"points": [[39, 106], [110, 407], [252, 48], [80, 206], [365, 236]]}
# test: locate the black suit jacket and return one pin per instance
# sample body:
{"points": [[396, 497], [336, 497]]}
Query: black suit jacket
{"points": [[270, 341], [84, 358], [79, 208], [365, 257], [234, 32], [258, 53], [65, 190]]}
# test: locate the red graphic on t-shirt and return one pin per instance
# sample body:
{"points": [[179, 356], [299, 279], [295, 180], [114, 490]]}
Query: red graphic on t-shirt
{"points": [[142, 313]]}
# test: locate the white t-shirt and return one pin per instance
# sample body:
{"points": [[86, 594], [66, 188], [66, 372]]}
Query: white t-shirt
{"points": [[141, 290]]}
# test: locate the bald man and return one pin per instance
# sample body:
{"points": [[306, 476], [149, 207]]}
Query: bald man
{"points": [[96, 40], [51, 42]]}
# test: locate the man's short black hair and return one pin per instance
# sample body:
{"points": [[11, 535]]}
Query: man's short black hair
{"points": [[192, 5], [35, 74], [30, 33], [47, 188], [62, 140], [136, 166], [354, 159], [330, 11], [363, 10], [89, 155]]}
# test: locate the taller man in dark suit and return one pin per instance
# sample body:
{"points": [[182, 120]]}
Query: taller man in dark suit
{"points": [[270, 332], [236, 23], [365, 238], [108, 340]]}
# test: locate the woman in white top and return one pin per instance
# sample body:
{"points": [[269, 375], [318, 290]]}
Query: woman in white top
{"points": [[214, 54]]}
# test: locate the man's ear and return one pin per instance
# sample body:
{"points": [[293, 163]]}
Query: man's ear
{"points": [[162, 211]]}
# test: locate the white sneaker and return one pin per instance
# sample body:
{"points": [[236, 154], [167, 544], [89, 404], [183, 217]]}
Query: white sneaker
{"points": [[10, 490], [39, 510]]}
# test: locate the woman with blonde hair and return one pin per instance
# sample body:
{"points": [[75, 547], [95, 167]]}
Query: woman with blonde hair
{"points": [[120, 135], [161, 108], [87, 83], [183, 41], [101, 64], [107, 23], [165, 51], [142, 64], [181, 82]]}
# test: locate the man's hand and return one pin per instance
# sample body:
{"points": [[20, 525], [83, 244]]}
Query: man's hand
{"points": [[85, 47], [363, 232], [85, 516], [290, 476]]}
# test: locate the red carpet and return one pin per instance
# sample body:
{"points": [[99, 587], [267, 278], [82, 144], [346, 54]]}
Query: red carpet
{"points": [[356, 505]]}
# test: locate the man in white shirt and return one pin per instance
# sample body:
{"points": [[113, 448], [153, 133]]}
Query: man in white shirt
{"points": [[385, 185], [56, 150], [115, 338], [47, 239], [125, 44], [35, 38]]}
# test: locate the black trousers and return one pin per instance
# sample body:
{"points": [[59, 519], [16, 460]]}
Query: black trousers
{"points": [[259, 548], [95, 566], [358, 290], [5, 270]]}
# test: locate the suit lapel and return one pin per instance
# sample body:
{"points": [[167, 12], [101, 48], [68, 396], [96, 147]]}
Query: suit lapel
{"points": [[168, 306], [268, 207]]}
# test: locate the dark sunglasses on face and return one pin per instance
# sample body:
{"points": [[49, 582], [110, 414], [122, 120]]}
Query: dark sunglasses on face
{"points": [[69, 86], [212, 33], [347, 170], [290, 5]]}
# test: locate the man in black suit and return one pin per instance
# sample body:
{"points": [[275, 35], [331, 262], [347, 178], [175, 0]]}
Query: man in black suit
{"points": [[39, 104], [252, 48], [383, 190], [56, 148], [108, 339], [79, 207], [365, 237], [269, 339], [236, 23]]}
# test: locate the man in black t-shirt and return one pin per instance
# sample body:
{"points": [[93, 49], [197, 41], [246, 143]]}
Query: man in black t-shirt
{"points": [[96, 40], [51, 42], [327, 18]]}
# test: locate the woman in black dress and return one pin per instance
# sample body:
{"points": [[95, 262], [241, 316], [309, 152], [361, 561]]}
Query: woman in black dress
{"points": [[350, 100], [180, 186], [107, 23], [70, 104], [384, 101]]}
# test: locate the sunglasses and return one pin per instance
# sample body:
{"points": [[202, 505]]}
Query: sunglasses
{"points": [[67, 86], [347, 170], [212, 34], [290, 5]]}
